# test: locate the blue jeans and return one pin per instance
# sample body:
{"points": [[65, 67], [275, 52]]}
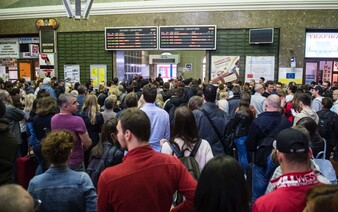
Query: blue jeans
{"points": [[260, 181], [241, 152]]}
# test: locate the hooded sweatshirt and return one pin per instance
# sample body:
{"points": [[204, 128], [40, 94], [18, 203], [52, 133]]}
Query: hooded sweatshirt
{"points": [[306, 113]]}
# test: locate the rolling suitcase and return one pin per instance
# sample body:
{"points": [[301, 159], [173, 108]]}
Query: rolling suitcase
{"points": [[25, 168]]}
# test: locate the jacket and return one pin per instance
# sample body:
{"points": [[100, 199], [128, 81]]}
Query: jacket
{"points": [[205, 129], [9, 146], [13, 115], [240, 124]]}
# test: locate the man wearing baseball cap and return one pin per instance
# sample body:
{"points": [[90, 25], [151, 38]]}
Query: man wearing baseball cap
{"points": [[293, 154]]}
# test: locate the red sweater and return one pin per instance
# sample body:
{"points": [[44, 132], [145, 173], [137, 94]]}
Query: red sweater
{"points": [[145, 181]]}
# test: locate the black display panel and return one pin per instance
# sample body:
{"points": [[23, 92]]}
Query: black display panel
{"points": [[132, 38], [188, 37]]}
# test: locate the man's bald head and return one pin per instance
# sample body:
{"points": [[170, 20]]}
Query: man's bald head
{"points": [[15, 198], [272, 103]]}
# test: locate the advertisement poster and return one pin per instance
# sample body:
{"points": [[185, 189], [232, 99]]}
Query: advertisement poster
{"points": [[98, 74], [46, 65], [224, 69], [326, 67], [259, 66], [72, 73], [287, 75], [9, 48], [321, 45]]}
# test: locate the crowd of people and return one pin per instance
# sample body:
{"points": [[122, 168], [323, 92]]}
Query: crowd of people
{"points": [[112, 148]]}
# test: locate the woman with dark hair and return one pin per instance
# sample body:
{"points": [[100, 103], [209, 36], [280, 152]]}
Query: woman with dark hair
{"points": [[108, 146], [222, 187], [185, 136], [316, 141], [239, 127], [60, 188]]}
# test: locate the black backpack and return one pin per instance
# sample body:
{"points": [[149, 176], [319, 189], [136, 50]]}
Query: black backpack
{"points": [[326, 123], [188, 161]]}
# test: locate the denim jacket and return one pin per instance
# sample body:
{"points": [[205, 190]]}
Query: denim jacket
{"points": [[62, 189]]}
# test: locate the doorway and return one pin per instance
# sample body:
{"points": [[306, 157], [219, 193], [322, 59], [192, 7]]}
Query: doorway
{"points": [[321, 70]]}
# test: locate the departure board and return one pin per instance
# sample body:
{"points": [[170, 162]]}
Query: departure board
{"points": [[188, 37], [132, 38]]}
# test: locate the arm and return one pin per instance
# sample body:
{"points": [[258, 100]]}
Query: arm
{"points": [[85, 139], [89, 193], [14, 113], [187, 186], [103, 195], [251, 143]]}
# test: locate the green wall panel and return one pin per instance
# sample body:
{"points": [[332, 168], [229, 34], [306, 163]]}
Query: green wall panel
{"points": [[235, 42], [85, 49]]}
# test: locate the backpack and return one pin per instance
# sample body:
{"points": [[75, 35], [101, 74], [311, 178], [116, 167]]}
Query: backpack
{"points": [[188, 161], [96, 166], [325, 124]]}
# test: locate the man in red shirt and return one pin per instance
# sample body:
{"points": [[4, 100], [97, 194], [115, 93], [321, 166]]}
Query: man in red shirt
{"points": [[290, 189], [146, 180]]}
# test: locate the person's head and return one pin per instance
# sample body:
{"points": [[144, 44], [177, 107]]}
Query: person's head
{"points": [[109, 104], [272, 103], [209, 93], [322, 198], [91, 107], [222, 186], [252, 82], [15, 198], [269, 86], [326, 85], [261, 80], [309, 124], [244, 100], [133, 128], [292, 89], [29, 99], [42, 93], [45, 106], [82, 90], [236, 90], [195, 102], [327, 103], [57, 146], [278, 86], [131, 99], [335, 94], [183, 128], [67, 103], [47, 81], [302, 99], [259, 88], [293, 152], [5, 96], [317, 91], [149, 92]]}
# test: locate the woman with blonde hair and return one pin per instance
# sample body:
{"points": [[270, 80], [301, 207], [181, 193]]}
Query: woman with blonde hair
{"points": [[93, 120]]}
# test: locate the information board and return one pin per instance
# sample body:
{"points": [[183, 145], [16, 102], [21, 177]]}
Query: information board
{"points": [[132, 38], [188, 37]]}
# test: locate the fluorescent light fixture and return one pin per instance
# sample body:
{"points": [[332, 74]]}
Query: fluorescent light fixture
{"points": [[68, 7], [86, 10]]}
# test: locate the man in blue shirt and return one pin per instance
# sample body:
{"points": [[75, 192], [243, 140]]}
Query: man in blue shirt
{"points": [[159, 118]]}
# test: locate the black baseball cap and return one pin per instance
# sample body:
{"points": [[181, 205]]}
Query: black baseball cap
{"points": [[292, 141]]}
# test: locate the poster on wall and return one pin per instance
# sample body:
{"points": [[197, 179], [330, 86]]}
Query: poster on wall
{"points": [[224, 69], [72, 73], [326, 68], [335, 67], [46, 62], [98, 73], [259, 66], [9, 48], [287, 75]]}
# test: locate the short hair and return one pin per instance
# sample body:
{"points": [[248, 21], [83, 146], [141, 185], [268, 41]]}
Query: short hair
{"points": [[56, 147], [304, 98], [258, 87], [309, 124], [195, 102], [137, 122], [2, 109], [3, 95], [236, 90], [109, 103], [64, 99], [273, 100], [131, 99], [45, 106], [293, 88], [209, 92], [149, 92], [15, 198], [327, 102], [328, 83], [81, 89], [222, 186]]}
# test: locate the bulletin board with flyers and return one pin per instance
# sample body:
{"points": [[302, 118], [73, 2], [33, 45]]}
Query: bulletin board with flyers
{"points": [[98, 73]]}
